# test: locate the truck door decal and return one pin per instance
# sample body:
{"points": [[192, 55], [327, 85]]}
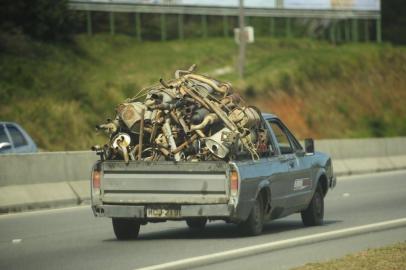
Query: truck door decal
{"points": [[302, 183]]}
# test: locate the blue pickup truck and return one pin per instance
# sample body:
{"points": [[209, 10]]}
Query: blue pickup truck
{"points": [[290, 179]]}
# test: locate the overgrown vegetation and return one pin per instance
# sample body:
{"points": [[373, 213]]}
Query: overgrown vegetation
{"points": [[59, 92], [387, 258]]}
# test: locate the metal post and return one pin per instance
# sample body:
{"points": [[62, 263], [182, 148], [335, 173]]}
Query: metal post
{"points": [[138, 26], [241, 55], [180, 27], [89, 22], [355, 30], [272, 27], [288, 28], [225, 25], [112, 23], [204, 25], [163, 27], [332, 32], [378, 30], [347, 31], [338, 32], [366, 30]]}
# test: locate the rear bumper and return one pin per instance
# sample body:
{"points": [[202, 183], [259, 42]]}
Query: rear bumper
{"points": [[186, 211]]}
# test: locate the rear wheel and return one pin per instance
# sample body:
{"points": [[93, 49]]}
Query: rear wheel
{"points": [[314, 213], [196, 223], [255, 221], [125, 228]]}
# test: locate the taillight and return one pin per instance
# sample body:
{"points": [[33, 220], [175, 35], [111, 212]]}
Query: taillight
{"points": [[96, 180], [234, 183]]}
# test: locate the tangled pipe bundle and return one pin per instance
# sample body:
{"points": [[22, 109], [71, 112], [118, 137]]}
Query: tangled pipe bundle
{"points": [[190, 118]]}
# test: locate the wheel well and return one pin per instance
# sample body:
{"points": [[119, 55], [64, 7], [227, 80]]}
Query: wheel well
{"points": [[265, 196], [323, 184]]}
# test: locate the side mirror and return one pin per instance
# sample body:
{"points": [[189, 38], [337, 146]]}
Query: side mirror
{"points": [[5, 146], [309, 146]]}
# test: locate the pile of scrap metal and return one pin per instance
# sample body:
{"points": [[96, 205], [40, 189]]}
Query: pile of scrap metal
{"points": [[191, 118]]}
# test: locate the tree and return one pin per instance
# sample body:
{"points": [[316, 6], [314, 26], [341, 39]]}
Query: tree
{"points": [[48, 20]]}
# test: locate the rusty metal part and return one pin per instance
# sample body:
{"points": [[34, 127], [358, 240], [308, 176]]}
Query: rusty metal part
{"points": [[180, 72], [245, 117], [147, 129], [231, 101], [183, 124], [141, 136], [164, 151], [123, 138], [166, 128], [198, 115], [131, 113], [208, 120], [222, 88], [221, 114], [174, 117], [194, 96], [200, 133], [155, 122], [216, 145], [185, 144], [109, 127], [134, 152], [161, 140], [122, 145], [164, 84], [182, 118]]}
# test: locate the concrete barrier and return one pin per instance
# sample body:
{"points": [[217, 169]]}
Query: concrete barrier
{"points": [[354, 156], [34, 196], [47, 167], [61, 178]]}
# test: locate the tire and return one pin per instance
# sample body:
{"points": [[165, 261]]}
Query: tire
{"points": [[196, 223], [255, 221], [314, 214], [126, 229]]}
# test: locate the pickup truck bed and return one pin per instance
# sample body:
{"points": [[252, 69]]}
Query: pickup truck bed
{"points": [[199, 189]]}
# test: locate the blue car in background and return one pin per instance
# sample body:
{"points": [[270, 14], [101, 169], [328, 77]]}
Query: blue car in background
{"points": [[14, 139]]}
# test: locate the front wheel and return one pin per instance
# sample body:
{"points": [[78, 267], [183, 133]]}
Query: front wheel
{"points": [[125, 228], [255, 221], [314, 214]]}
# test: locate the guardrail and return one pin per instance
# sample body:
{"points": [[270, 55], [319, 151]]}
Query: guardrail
{"points": [[61, 178], [343, 19], [122, 6]]}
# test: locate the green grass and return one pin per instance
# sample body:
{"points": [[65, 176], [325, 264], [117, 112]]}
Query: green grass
{"points": [[387, 258], [59, 92]]}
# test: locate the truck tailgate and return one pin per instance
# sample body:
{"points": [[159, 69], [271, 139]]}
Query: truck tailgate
{"points": [[164, 182]]}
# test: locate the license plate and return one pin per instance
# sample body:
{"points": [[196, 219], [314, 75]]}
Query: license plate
{"points": [[163, 212]]}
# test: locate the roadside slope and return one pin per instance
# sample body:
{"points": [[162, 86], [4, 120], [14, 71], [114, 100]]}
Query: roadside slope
{"points": [[59, 92]]}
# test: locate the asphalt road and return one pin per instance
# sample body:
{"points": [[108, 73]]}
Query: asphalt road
{"points": [[73, 239]]}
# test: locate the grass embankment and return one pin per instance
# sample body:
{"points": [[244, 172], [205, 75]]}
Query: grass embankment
{"points": [[387, 258], [59, 92]]}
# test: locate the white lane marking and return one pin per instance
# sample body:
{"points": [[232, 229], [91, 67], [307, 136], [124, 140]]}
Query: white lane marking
{"points": [[44, 211], [346, 195], [262, 248], [16, 241], [367, 176]]}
